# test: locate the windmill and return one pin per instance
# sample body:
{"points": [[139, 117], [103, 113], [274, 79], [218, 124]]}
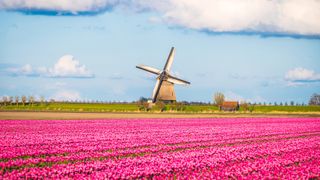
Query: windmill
{"points": [[164, 88]]}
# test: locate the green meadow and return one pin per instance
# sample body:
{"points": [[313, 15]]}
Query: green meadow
{"points": [[134, 107]]}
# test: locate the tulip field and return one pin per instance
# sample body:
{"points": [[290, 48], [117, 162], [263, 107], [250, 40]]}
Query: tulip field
{"points": [[216, 148]]}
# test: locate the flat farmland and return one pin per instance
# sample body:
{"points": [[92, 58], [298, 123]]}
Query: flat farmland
{"points": [[149, 148]]}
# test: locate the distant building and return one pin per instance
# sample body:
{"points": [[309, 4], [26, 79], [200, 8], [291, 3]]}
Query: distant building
{"points": [[229, 106]]}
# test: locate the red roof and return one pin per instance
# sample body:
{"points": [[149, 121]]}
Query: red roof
{"points": [[230, 104]]}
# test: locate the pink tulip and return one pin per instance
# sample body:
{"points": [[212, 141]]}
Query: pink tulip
{"points": [[237, 148]]}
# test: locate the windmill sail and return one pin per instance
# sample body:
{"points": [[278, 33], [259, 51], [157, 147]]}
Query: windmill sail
{"points": [[176, 80], [149, 69], [156, 90], [164, 88], [169, 62]]}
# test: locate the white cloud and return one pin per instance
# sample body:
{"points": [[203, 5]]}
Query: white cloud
{"points": [[285, 16], [301, 75], [295, 84], [295, 17], [25, 70], [70, 6], [66, 95], [66, 67]]}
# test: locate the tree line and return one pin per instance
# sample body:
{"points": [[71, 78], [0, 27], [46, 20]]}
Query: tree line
{"points": [[218, 99], [23, 100]]}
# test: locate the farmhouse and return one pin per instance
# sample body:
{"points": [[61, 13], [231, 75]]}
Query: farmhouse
{"points": [[229, 106]]}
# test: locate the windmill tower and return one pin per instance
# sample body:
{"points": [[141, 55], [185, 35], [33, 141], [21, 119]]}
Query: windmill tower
{"points": [[164, 88]]}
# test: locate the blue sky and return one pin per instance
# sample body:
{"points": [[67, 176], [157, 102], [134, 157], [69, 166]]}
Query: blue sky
{"points": [[90, 51]]}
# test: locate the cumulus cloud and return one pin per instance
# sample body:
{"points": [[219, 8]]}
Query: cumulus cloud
{"points": [[59, 6], [66, 67], [281, 17], [299, 75], [285, 16]]}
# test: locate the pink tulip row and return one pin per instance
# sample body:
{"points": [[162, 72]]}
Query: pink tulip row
{"points": [[186, 161], [43, 140], [161, 148], [112, 154]]}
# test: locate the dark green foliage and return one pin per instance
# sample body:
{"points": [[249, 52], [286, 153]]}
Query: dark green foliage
{"points": [[315, 99]]}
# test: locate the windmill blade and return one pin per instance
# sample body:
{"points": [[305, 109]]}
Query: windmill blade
{"points": [[176, 80], [156, 89], [169, 62], [149, 69]]}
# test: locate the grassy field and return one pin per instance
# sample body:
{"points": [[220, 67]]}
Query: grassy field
{"points": [[84, 107], [287, 108], [74, 107], [132, 107]]}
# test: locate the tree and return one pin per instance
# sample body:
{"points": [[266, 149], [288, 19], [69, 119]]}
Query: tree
{"points": [[17, 100], [251, 108], [314, 99], [143, 104], [31, 100], [10, 100], [140, 103], [42, 100], [218, 98], [143, 99], [161, 105], [291, 103], [5, 100], [23, 100], [245, 106], [146, 106], [179, 106]]}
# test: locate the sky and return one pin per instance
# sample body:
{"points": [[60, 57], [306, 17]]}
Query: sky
{"points": [[254, 51]]}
